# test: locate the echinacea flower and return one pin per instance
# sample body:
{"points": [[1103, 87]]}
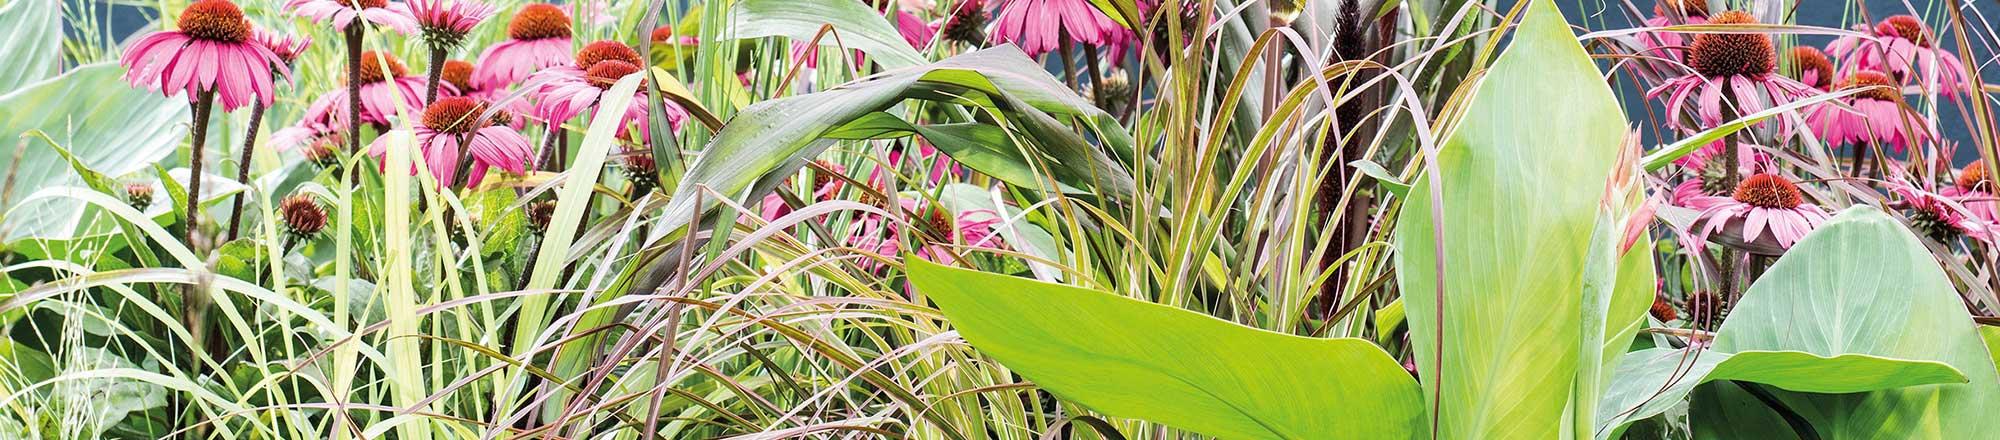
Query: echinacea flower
{"points": [[1938, 216], [1740, 65], [139, 195], [455, 126], [1766, 212], [940, 230], [1039, 26], [563, 92], [1671, 13], [341, 13], [1710, 177], [445, 22], [538, 37], [382, 93], [1900, 46], [1810, 66], [966, 24], [211, 52], [1878, 115], [1973, 190], [286, 46], [639, 168]]}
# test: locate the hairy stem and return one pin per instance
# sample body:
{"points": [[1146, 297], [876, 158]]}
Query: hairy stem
{"points": [[354, 87], [243, 170], [436, 73]]}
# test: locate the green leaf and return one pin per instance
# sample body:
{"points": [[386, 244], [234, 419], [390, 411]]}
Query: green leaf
{"points": [[856, 26], [31, 42], [1654, 380], [108, 126], [1863, 285], [1130, 358], [1518, 185]]}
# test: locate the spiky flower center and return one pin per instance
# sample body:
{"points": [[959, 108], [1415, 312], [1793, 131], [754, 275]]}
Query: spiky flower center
{"points": [[372, 63], [605, 50], [1686, 8], [321, 151], [939, 220], [662, 34], [214, 20], [1881, 87], [455, 115], [608, 72], [1663, 310], [1769, 191], [302, 215], [967, 23], [1910, 28], [823, 176], [459, 74], [1973, 177], [538, 21], [1930, 219], [1704, 306], [1732, 54], [1808, 59], [365, 4]]}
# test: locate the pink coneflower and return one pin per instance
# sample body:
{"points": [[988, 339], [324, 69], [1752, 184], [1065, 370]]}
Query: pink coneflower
{"points": [[1878, 115], [824, 187], [1938, 216], [537, 38], [211, 52], [1896, 45], [1765, 213], [382, 92], [286, 46], [444, 24], [1972, 189], [1709, 176], [973, 228], [341, 13], [1738, 64], [1811, 67], [565, 91], [1039, 26], [456, 126], [1671, 13]]}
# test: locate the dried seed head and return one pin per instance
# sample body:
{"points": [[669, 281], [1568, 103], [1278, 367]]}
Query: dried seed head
{"points": [[1704, 306], [539, 213], [302, 215]]}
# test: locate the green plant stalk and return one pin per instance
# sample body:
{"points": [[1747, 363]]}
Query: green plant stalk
{"points": [[243, 170]]}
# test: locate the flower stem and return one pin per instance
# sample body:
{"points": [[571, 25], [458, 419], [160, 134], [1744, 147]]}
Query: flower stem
{"points": [[436, 72], [243, 170], [1096, 78], [1069, 65], [354, 87], [204, 103], [549, 146]]}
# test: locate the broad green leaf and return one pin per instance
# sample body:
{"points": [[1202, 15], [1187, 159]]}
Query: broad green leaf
{"points": [[856, 26], [1520, 179], [1992, 335], [1131, 358], [1651, 381], [31, 36], [112, 128], [1862, 285]]}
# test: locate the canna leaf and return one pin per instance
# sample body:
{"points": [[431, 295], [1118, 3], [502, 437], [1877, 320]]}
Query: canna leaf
{"points": [[1132, 358]]}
